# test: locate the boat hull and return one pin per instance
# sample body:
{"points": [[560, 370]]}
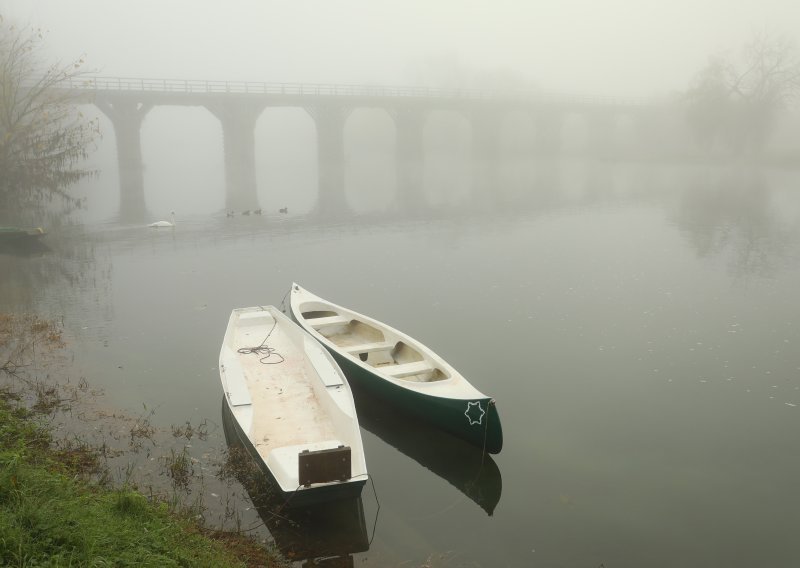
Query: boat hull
{"points": [[475, 420], [302, 497]]}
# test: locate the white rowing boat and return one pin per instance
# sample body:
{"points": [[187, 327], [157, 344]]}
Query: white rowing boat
{"points": [[292, 406]]}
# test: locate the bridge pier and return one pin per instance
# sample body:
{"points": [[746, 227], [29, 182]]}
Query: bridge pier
{"points": [[330, 120], [126, 116], [409, 157], [238, 121]]}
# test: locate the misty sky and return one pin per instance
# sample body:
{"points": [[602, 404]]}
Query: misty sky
{"points": [[605, 47]]}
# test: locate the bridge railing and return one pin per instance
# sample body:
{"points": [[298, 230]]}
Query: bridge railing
{"points": [[188, 86], [246, 87]]}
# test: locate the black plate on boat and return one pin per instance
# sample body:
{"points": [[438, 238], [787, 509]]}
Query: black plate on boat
{"points": [[322, 466]]}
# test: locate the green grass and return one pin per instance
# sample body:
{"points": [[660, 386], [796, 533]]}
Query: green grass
{"points": [[51, 516]]}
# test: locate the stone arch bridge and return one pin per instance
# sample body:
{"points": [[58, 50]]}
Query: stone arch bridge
{"points": [[237, 105]]}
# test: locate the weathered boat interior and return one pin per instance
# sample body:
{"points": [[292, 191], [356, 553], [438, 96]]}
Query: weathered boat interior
{"points": [[378, 348], [299, 420]]}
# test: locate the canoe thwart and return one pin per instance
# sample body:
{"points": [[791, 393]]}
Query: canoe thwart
{"points": [[407, 369], [323, 466], [370, 347], [319, 323]]}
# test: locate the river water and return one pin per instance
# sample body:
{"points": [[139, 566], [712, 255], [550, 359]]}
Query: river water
{"points": [[638, 326]]}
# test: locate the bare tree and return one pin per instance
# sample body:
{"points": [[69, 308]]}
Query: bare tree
{"points": [[708, 103], [44, 140], [735, 102]]}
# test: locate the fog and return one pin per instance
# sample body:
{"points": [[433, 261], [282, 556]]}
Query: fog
{"points": [[616, 47], [633, 51]]}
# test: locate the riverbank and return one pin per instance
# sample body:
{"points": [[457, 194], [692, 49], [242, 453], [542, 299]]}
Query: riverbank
{"points": [[57, 507], [51, 515]]}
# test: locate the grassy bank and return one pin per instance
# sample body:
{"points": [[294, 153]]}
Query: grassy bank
{"points": [[58, 504], [51, 516]]}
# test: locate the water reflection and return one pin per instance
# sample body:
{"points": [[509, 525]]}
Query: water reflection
{"points": [[326, 534], [733, 214], [35, 274], [620, 280], [321, 535], [461, 464], [27, 247]]}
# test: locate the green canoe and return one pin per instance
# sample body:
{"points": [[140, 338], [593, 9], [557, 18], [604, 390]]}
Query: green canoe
{"points": [[400, 369]]}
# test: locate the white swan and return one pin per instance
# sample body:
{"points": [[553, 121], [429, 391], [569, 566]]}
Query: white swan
{"points": [[164, 224]]}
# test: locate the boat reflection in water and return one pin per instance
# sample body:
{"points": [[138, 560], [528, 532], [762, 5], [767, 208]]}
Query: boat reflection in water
{"points": [[321, 535], [465, 466]]}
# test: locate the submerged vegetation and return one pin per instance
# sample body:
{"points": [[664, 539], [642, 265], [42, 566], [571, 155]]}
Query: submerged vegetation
{"points": [[58, 506]]}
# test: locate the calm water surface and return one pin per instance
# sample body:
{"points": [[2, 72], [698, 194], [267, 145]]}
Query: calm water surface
{"points": [[638, 327]]}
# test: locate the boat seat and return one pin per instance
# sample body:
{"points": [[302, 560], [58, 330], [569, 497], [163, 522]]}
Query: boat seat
{"points": [[256, 318], [370, 347], [319, 323], [407, 369]]}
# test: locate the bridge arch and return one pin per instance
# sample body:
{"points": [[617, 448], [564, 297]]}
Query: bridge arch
{"points": [[182, 159], [286, 160]]}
